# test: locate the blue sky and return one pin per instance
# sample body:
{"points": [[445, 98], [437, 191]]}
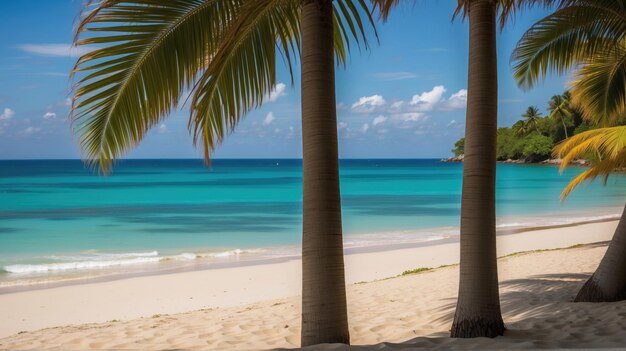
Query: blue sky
{"points": [[403, 98]]}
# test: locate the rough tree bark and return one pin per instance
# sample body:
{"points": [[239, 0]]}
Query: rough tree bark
{"points": [[608, 282], [478, 306], [324, 310]]}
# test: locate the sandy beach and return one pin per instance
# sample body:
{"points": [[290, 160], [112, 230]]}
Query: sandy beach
{"points": [[257, 307]]}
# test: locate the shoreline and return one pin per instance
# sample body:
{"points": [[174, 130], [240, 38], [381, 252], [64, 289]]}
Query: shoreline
{"points": [[202, 266], [144, 296]]}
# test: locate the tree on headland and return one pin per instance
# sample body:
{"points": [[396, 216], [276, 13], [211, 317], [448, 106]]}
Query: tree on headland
{"points": [[531, 119], [590, 37], [459, 147], [148, 53], [560, 110], [520, 128]]}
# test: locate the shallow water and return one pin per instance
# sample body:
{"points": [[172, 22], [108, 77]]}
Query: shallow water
{"points": [[58, 217]]}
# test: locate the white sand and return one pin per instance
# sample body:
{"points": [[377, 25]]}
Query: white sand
{"points": [[257, 306]]}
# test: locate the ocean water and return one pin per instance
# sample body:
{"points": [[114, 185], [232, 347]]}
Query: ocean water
{"points": [[60, 220]]}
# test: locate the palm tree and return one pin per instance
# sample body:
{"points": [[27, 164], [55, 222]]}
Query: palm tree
{"points": [[560, 110], [478, 308], [531, 118], [149, 52], [520, 128], [589, 35]]}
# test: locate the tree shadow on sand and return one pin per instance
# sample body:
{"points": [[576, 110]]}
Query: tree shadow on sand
{"points": [[539, 312]]}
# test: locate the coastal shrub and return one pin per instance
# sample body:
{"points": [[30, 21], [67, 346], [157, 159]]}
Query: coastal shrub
{"points": [[537, 147], [459, 147], [510, 145], [534, 142], [417, 270]]}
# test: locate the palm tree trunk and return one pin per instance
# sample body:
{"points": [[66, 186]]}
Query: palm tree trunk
{"points": [[564, 127], [608, 283], [478, 306], [324, 310]]}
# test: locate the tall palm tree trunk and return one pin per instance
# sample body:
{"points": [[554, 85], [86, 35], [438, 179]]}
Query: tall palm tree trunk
{"points": [[608, 283], [478, 306], [324, 310], [564, 127]]}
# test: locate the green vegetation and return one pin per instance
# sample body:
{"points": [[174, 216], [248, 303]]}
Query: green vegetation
{"points": [[533, 136], [417, 270], [459, 147]]}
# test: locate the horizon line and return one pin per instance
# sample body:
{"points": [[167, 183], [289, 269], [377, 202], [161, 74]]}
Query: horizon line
{"points": [[223, 158]]}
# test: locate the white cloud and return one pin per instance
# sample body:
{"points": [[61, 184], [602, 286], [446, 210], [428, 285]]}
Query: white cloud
{"points": [[457, 101], [163, 129], [379, 120], [396, 106], [49, 115], [411, 116], [427, 100], [55, 50], [276, 93], [269, 118], [395, 75], [30, 131], [68, 102], [6, 114], [418, 112], [368, 103]]}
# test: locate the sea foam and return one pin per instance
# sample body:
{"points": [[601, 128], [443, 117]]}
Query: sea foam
{"points": [[96, 261]]}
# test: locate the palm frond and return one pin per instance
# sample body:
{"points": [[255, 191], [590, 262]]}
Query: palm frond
{"points": [[150, 51], [384, 7], [242, 70], [560, 41], [350, 21], [609, 143], [599, 90]]}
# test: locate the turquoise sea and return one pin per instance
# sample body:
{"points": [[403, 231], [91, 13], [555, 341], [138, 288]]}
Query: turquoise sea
{"points": [[61, 220]]}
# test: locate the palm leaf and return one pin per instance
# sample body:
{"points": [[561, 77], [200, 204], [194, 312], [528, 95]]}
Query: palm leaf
{"points": [[150, 51], [599, 89], [565, 38], [609, 143], [242, 71]]}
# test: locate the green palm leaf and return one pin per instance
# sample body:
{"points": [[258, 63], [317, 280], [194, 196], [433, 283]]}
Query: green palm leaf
{"points": [[242, 71], [568, 36], [150, 51]]}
